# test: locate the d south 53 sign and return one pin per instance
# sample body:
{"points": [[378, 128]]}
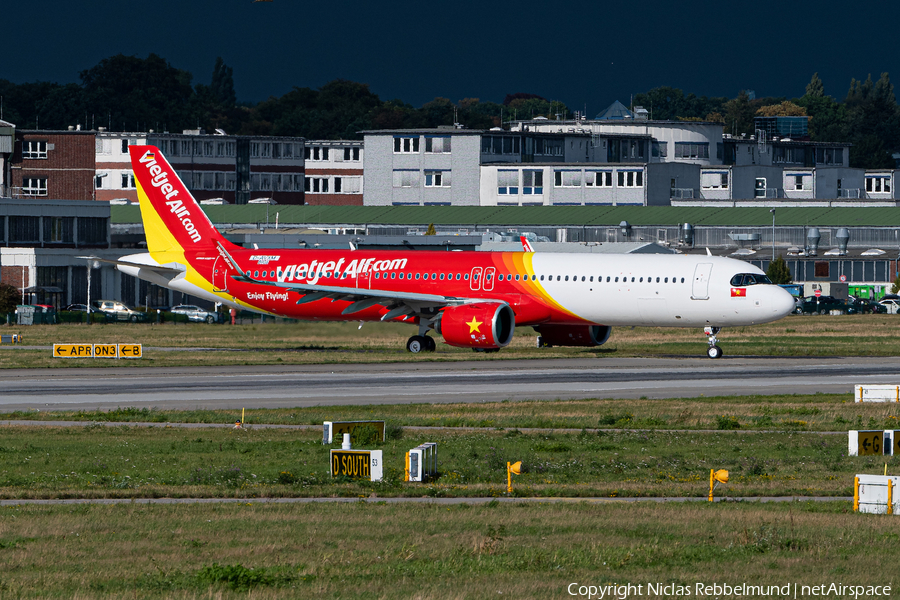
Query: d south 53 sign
{"points": [[364, 464]]}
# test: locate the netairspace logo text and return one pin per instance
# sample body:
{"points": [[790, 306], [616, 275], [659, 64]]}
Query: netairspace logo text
{"points": [[723, 590]]}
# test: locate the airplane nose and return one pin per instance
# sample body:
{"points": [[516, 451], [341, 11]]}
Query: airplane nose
{"points": [[782, 302]]}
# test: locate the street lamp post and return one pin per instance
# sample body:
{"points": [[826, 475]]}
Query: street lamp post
{"points": [[772, 210]]}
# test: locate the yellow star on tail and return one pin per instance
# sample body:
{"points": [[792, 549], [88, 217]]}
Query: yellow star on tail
{"points": [[473, 325]]}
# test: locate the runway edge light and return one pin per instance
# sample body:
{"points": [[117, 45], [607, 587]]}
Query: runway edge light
{"points": [[720, 476]]}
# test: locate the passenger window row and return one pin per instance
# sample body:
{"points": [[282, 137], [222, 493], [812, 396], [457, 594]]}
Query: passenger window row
{"points": [[737, 280]]}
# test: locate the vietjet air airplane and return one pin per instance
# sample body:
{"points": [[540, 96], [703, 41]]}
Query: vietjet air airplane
{"points": [[472, 299]]}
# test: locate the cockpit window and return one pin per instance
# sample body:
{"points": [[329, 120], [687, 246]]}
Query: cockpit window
{"points": [[743, 279]]}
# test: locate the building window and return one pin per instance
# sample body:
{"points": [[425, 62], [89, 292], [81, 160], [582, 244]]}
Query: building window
{"points": [[567, 178], [185, 148], [714, 180], [347, 185], [405, 178], [759, 190], [782, 154], [34, 186], [59, 230], [496, 144], [437, 178], [255, 149], [533, 182], [878, 184], [659, 149], [125, 146], [631, 179], [351, 154], [127, 181], [315, 153], [507, 182], [34, 149], [598, 178], [406, 145], [830, 156], [798, 181], [692, 150], [98, 180], [632, 149], [437, 145]]}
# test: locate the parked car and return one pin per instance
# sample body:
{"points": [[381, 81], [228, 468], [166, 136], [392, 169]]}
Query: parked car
{"points": [[891, 306], [195, 313], [78, 308], [821, 305], [117, 311], [864, 306]]}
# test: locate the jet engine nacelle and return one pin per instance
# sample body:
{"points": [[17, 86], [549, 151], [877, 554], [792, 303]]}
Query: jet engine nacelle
{"points": [[573, 335], [486, 325]]}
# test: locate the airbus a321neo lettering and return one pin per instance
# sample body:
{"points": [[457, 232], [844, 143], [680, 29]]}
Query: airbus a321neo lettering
{"points": [[471, 299]]}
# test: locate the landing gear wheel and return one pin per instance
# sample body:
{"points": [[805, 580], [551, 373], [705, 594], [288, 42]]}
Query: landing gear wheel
{"points": [[416, 344], [430, 345], [714, 352]]}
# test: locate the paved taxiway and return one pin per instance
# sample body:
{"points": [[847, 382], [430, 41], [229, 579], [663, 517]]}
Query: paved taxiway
{"points": [[470, 381]]}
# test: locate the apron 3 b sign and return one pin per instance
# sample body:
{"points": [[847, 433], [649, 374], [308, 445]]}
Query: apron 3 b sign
{"points": [[97, 351]]}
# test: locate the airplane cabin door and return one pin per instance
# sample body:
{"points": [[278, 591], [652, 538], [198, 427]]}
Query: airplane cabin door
{"points": [[220, 275], [475, 279], [700, 289], [364, 280], [489, 274]]}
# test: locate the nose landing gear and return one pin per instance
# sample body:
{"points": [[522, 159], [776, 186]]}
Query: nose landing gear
{"points": [[713, 351]]}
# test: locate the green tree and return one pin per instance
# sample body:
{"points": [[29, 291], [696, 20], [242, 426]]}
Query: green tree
{"points": [[739, 114], [129, 93], [9, 298], [222, 85], [783, 109], [895, 287], [827, 118], [815, 88], [430, 230], [873, 122], [778, 271]]}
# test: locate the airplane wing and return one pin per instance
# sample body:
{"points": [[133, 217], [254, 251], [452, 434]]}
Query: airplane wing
{"points": [[400, 304]]}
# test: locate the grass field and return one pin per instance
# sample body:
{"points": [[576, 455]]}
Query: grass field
{"points": [[793, 412], [376, 550], [305, 342], [772, 445], [127, 462]]}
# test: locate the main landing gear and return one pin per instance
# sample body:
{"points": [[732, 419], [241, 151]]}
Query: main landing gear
{"points": [[713, 351], [420, 343]]}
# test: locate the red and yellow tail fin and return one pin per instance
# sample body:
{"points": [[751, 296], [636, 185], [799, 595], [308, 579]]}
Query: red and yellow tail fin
{"points": [[173, 220]]}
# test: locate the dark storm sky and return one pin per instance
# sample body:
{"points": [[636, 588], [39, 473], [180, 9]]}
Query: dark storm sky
{"points": [[583, 53]]}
